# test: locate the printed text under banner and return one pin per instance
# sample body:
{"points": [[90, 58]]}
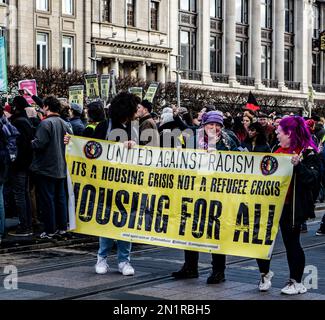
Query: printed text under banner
{"points": [[228, 203]]}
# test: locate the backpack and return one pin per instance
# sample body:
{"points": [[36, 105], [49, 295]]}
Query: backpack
{"points": [[10, 133]]}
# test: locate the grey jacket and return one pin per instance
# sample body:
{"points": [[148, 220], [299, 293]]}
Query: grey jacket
{"points": [[49, 148]]}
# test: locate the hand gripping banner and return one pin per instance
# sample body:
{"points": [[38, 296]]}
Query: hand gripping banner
{"points": [[217, 202]]}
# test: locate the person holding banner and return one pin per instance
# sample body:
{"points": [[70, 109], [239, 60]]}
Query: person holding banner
{"points": [[96, 114], [256, 142], [209, 137], [118, 128], [294, 138]]}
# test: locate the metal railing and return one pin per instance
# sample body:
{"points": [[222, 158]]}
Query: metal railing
{"points": [[246, 81], [319, 87], [270, 83], [292, 85], [191, 75], [219, 77]]}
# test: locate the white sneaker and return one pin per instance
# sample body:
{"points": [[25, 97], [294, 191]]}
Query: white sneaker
{"points": [[126, 269], [293, 287], [265, 283], [101, 265]]}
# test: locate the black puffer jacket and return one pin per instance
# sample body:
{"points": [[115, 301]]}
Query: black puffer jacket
{"points": [[24, 141], [307, 185]]}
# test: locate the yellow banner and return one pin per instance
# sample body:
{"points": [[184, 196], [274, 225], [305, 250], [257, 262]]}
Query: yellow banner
{"points": [[218, 202]]}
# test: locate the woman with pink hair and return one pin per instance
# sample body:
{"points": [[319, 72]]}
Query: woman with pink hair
{"points": [[294, 138]]}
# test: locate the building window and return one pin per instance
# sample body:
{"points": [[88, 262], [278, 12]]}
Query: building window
{"points": [[288, 64], [154, 15], [266, 14], [188, 5], [289, 16], [67, 53], [67, 7], [3, 32], [316, 23], [242, 11], [241, 58], [316, 68], [216, 54], [107, 10], [216, 9], [130, 13], [188, 50], [266, 62], [42, 50], [42, 5]]}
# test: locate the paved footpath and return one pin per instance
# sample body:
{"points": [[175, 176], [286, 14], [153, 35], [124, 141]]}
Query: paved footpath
{"points": [[68, 273]]}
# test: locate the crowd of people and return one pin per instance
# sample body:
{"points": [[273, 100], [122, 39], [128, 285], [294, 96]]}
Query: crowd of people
{"points": [[33, 168]]}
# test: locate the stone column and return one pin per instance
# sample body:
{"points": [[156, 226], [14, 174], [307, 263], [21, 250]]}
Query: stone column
{"points": [[173, 37], [162, 73], [87, 35], [279, 29], [204, 35], [256, 41], [116, 67], [142, 75], [303, 39], [230, 33], [105, 69]]}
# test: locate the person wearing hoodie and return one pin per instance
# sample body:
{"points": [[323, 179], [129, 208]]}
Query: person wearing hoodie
{"points": [[19, 173], [168, 138], [78, 126]]}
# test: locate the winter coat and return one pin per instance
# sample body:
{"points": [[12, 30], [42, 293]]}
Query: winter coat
{"points": [[102, 130], [24, 141], [147, 123], [77, 126], [49, 148], [4, 157], [265, 148], [306, 181]]}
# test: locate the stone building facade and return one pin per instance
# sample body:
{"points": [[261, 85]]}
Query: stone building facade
{"points": [[270, 46]]}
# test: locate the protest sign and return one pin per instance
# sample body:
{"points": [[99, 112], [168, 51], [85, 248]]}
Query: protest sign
{"points": [[92, 86], [76, 94], [31, 86], [151, 92], [138, 91], [3, 66], [105, 85], [218, 202]]}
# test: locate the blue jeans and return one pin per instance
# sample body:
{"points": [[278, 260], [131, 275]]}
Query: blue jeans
{"points": [[2, 212], [53, 203], [123, 249]]}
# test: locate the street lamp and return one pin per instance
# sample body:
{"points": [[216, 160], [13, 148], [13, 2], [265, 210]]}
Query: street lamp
{"points": [[178, 78], [94, 57]]}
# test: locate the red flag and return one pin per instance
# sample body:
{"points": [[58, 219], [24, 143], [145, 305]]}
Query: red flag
{"points": [[252, 103]]}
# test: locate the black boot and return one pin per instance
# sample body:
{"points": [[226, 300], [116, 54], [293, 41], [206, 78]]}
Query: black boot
{"points": [[216, 277], [186, 273]]}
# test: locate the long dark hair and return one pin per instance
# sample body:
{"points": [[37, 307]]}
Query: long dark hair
{"points": [[239, 129], [260, 134]]}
